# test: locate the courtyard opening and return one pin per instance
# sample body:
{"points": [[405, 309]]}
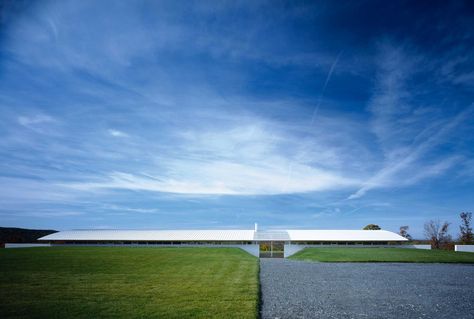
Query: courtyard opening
{"points": [[272, 249]]}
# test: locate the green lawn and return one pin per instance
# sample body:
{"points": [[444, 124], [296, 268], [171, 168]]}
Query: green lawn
{"points": [[383, 255], [106, 282]]}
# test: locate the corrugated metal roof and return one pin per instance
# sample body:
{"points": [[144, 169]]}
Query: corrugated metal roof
{"points": [[276, 235], [344, 235], [225, 235], [153, 235]]}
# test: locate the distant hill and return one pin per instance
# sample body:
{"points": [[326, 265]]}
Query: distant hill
{"points": [[22, 235]]}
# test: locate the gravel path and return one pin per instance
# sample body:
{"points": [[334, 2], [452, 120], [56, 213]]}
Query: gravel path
{"points": [[298, 289]]}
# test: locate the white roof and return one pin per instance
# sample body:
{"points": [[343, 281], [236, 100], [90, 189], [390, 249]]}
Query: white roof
{"points": [[226, 235], [155, 235], [344, 235], [272, 235]]}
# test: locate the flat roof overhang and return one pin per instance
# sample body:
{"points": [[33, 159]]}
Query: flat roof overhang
{"points": [[292, 236]]}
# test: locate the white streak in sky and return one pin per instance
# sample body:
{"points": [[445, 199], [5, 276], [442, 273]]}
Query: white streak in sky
{"points": [[328, 77], [313, 117]]}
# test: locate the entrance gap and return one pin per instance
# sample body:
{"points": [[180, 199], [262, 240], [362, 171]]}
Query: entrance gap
{"points": [[272, 249]]}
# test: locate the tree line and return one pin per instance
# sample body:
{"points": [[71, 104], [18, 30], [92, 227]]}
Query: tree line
{"points": [[437, 234]]}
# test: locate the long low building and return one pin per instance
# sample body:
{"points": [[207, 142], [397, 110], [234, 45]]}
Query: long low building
{"points": [[270, 243]]}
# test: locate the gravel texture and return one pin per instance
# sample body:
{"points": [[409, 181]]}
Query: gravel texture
{"points": [[299, 289]]}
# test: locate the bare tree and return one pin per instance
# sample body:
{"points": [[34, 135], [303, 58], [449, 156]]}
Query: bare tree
{"points": [[404, 232], [466, 236], [437, 233]]}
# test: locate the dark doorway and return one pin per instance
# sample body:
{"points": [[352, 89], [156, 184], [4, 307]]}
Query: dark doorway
{"points": [[272, 249]]}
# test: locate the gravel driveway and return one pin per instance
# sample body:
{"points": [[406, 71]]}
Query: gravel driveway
{"points": [[298, 289]]}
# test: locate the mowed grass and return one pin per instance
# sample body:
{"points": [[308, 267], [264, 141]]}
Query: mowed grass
{"points": [[383, 255], [107, 282]]}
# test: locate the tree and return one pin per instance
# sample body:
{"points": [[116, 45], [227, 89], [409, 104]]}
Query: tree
{"points": [[466, 236], [437, 233], [404, 232], [371, 227]]}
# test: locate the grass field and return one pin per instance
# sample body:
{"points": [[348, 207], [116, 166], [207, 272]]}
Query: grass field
{"points": [[102, 282], [383, 255]]}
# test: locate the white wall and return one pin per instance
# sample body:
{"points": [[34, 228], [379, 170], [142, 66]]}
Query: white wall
{"points": [[415, 246], [251, 249], [465, 248], [293, 249], [26, 245]]}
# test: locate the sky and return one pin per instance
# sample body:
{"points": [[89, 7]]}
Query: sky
{"points": [[219, 114]]}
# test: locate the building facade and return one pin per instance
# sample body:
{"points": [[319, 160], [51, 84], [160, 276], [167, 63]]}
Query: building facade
{"points": [[269, 243]]}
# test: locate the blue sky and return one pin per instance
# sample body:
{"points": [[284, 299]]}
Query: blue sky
{"points": [[179, 114]]}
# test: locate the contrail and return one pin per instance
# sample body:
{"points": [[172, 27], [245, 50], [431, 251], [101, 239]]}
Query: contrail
{"points": [[288, 178], [328, 77], [315, 112]]}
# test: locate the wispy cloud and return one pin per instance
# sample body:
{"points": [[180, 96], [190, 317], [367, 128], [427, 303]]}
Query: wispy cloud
{"points": [[36, 119], [117, 133], [54, 214], [406, 133], [42, 214], [130, 209], [36, 122], [171, 105], [238, 161], [224, 178]]}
